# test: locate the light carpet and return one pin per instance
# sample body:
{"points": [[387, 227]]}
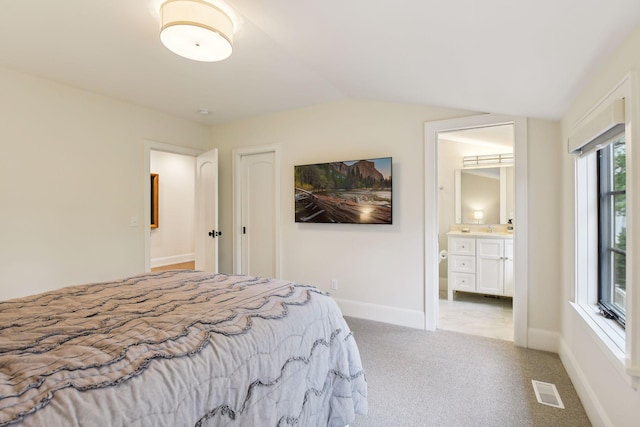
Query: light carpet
{"points": [[444, 378]]}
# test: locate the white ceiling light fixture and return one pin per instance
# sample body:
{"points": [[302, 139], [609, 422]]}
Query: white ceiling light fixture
{"points": [[196, 29]]}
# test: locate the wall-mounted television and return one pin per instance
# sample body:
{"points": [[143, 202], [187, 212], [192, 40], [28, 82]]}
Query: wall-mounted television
{"points": [[347, 192]]}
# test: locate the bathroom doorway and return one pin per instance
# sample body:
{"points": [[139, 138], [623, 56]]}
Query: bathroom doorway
{"points": [[476, 205], [517, 244]]}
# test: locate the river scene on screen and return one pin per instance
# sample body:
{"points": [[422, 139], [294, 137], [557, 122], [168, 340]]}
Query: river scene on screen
{"points": [[354, 192]]}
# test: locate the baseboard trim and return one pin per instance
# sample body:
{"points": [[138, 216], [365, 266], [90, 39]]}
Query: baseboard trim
{"points": [[175, 259], [382, 313], [588, 398], [541, 339]]}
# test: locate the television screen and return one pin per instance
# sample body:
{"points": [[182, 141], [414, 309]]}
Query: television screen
{"points": [[350, 192]]}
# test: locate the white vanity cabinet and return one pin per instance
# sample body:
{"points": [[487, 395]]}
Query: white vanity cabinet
{"points": [[490, 273], [481, 264], [462, 265]]}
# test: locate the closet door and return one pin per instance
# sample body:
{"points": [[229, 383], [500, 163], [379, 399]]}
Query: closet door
{"points": [[258, 214]]}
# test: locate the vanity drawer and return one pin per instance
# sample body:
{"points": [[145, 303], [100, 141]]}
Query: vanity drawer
{"points": [[462, 281], [463, 263], [462, 246]]}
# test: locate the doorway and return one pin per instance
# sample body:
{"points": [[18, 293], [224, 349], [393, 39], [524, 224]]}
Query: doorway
{"points": [[476, 193], [172, 234], [433, 132], [205, 204]]}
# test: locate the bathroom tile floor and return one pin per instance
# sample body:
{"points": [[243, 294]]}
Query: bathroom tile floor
{"points": [[476, 314]]}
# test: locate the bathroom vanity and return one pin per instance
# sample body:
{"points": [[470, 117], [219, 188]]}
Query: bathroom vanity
{"points": [[480, 262]]}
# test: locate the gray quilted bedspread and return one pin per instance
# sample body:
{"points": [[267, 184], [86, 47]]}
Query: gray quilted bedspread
{"points": [[179, 348]]}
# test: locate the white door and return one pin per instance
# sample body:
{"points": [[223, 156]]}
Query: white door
{"points": [[207, 232], [258, 214]]}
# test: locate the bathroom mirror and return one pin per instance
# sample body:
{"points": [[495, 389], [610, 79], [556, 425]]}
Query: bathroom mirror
{"points": [[484, 195]]}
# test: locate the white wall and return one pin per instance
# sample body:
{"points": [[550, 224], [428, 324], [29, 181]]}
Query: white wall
{"points": [[606, 394], [544, 229], [380, 269], [71, 179], [450, 156], [173, 241]]}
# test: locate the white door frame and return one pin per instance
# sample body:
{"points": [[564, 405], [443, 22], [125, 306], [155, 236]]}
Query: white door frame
{"points": [[520, 303], [167, 148], [237, 154]]}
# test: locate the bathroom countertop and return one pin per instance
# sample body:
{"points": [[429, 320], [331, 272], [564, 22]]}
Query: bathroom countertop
{"points": [[494, 234]]}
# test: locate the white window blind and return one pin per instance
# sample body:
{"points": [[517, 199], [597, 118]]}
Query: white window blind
{"points": [[599, 130]]}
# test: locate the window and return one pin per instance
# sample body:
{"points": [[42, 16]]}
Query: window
{"points": [[606, 279], [612, 230]]}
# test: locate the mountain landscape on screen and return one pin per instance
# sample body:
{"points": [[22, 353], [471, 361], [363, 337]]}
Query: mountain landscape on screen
{"points": [[352, 192]]}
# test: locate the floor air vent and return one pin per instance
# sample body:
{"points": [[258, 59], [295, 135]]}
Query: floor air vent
{"points": [[547, 394]]}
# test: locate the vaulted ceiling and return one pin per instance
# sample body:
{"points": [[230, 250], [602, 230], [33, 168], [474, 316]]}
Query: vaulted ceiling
{"points": [[520, 57]]}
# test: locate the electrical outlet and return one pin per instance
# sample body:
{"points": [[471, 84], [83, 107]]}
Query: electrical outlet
{"points": [[334, 284]]}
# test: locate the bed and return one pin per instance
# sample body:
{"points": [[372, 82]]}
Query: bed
{"points": [[179, 348]]}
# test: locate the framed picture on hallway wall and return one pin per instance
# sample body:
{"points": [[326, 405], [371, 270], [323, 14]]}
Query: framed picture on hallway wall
{"points": [[155, 193]]}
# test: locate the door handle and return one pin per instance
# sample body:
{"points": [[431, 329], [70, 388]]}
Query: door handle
{"points": [[214, 233]]}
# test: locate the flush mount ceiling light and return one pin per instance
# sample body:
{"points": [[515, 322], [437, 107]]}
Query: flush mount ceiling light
{"points": [[196, 29]]}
